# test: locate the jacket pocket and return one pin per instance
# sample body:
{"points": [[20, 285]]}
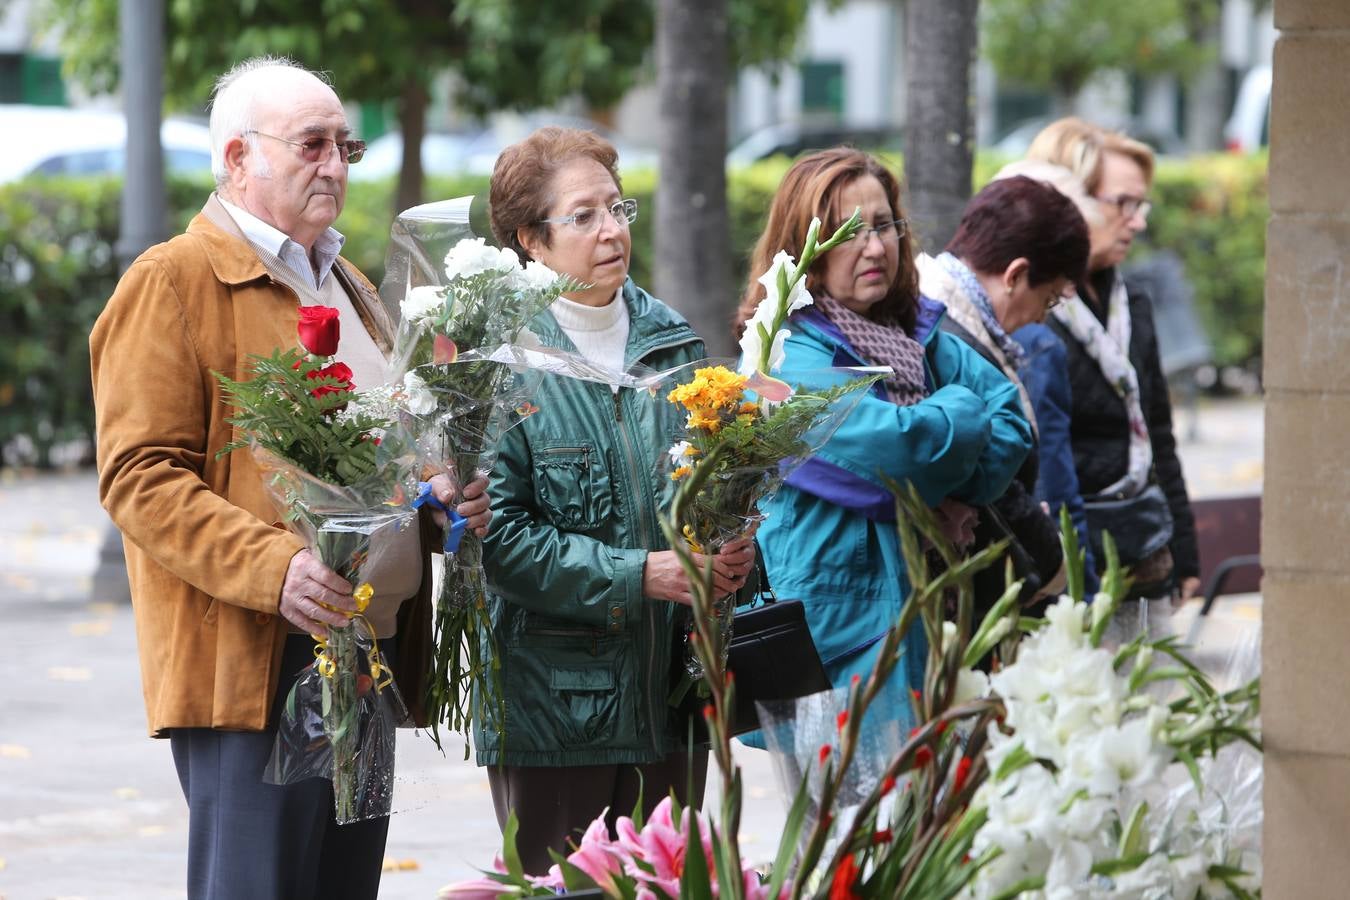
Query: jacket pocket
{"points": [[572, 486], [570, 699]]}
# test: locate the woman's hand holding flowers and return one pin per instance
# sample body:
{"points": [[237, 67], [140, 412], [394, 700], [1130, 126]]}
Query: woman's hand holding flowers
{"points": [[475, 506], [663, 578]]}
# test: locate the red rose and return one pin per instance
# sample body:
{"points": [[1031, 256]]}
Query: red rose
{"points": [[318, 329], [337, 371]]}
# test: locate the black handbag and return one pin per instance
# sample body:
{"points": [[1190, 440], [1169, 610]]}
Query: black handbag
{"points": [[771, 656], [1140, 525], [990, 582]]}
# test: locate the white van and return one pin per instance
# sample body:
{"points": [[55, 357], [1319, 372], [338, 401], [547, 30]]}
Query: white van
{"points": [[1248, 128]]}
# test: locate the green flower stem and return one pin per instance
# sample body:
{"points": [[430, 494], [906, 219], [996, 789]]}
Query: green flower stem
{"points": [[810, 250]]}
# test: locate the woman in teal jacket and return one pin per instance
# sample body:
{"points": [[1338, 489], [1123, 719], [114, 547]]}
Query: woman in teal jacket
{"points": [[584, 591], [946, 420]]}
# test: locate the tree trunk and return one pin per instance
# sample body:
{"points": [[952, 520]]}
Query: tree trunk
{"points": [[693, 258], [1208, 100], [939, 116], [412, 122]]}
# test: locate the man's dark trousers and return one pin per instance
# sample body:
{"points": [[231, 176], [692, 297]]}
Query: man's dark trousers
{"points": [[254, 841]]}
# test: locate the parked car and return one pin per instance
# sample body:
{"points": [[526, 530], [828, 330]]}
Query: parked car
{"points": [[792, 139], [55, 140], [1015, 142], [1248, 128], [475, 152]]}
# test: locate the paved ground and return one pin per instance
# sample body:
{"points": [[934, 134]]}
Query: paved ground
{"points": [[90, 807]]}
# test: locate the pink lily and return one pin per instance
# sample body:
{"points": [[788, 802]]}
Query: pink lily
{"points": [[477, 889]]}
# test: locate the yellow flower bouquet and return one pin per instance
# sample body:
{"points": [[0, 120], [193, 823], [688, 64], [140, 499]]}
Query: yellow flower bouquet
{"points": [[753, 427]]}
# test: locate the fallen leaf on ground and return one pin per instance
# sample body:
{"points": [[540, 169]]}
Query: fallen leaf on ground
{"points": [[90, 629], [14, 751], [69, 673], [127, 793]]}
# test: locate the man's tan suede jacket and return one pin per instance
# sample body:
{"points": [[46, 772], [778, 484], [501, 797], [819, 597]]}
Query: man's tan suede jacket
{"points": [[206, 554]]}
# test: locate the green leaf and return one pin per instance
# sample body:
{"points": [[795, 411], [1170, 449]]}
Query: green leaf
{"points": [[510, 853], [787, 843], [696, 883]]}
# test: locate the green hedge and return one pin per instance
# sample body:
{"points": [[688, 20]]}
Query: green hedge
{"points": [[57, 266]]}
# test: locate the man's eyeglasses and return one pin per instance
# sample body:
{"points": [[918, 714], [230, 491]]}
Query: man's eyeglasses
{"points": [[886, 231], [1129, 205], [587, 218], [318, 149]]}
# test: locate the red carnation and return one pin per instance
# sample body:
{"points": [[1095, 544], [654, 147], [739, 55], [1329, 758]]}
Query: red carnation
{"points": [[338, 371], [318, 329]]}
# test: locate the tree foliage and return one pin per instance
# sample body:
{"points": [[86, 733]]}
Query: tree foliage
{"points": [[1060, 44], [517, 54]]}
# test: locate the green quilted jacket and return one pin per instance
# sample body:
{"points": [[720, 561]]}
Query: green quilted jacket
{"points": [[585, 659]]}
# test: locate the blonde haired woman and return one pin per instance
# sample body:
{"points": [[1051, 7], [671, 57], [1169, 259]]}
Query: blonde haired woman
{"points": [[1120, 413]]}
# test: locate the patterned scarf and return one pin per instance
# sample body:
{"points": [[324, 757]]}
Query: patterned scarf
{"points": [[882, 342], [979, 298], [1110, 348]]}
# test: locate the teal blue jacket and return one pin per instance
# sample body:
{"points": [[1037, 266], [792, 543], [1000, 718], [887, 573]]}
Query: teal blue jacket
{"points": [[585, 658], [830, 540]]}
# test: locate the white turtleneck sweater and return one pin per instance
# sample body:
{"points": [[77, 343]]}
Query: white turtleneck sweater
{"points": [[599, 332]]}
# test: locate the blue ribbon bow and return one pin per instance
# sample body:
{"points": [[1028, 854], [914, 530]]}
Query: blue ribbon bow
{"points": [[455, 527]]}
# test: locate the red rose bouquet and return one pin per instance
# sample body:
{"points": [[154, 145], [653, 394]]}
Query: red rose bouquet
{"points": [[339, 469]]}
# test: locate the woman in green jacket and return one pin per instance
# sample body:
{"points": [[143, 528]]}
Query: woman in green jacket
{"points": [[584, 590]]}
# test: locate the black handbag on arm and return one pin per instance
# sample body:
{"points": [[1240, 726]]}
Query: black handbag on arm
{"points": [[771, 656]]}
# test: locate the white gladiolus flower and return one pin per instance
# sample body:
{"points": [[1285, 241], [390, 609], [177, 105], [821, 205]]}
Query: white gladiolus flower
{"points": [[421, 401], [472, 256], [970, 685], [752, 344], [422, 303], [798, 296]]}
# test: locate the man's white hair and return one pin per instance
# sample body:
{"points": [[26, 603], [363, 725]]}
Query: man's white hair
{"points": [[233, 103]]}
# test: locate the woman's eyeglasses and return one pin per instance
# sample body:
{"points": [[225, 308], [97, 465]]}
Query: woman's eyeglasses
{"points": [[318, 149], [1129, 205], [886, 231], [587, 218]]}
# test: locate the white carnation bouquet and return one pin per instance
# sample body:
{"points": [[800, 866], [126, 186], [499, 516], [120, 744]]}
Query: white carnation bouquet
{"points": [[463, 324]]}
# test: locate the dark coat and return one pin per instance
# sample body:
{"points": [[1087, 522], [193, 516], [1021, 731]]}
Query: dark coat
{"points": [[1037, 532], [1099, 426]]}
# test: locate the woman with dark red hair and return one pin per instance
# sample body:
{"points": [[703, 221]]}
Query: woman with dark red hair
{"points": [[1020, 246]]}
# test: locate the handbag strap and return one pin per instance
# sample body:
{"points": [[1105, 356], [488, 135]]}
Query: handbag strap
{"points": [[766, 594]]}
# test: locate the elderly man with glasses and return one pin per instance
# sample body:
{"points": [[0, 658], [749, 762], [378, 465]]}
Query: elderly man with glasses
{"points": [[226, 600]]}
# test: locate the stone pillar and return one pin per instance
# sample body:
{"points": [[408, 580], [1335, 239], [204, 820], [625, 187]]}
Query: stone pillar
{"points": [[1306, 528]]}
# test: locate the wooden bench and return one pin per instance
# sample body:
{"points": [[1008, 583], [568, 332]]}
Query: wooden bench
{"points": [[1228, 533]]}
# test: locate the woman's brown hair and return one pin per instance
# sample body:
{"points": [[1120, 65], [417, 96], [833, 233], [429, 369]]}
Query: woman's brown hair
{"points": [[810, 189], [522, 180]]}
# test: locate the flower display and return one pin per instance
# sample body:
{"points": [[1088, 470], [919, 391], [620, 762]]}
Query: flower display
{"points": [[1057, 774]]}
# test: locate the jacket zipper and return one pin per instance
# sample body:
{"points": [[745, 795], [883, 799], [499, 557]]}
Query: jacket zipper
{"points": [[645, 514], [584, 451]]}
